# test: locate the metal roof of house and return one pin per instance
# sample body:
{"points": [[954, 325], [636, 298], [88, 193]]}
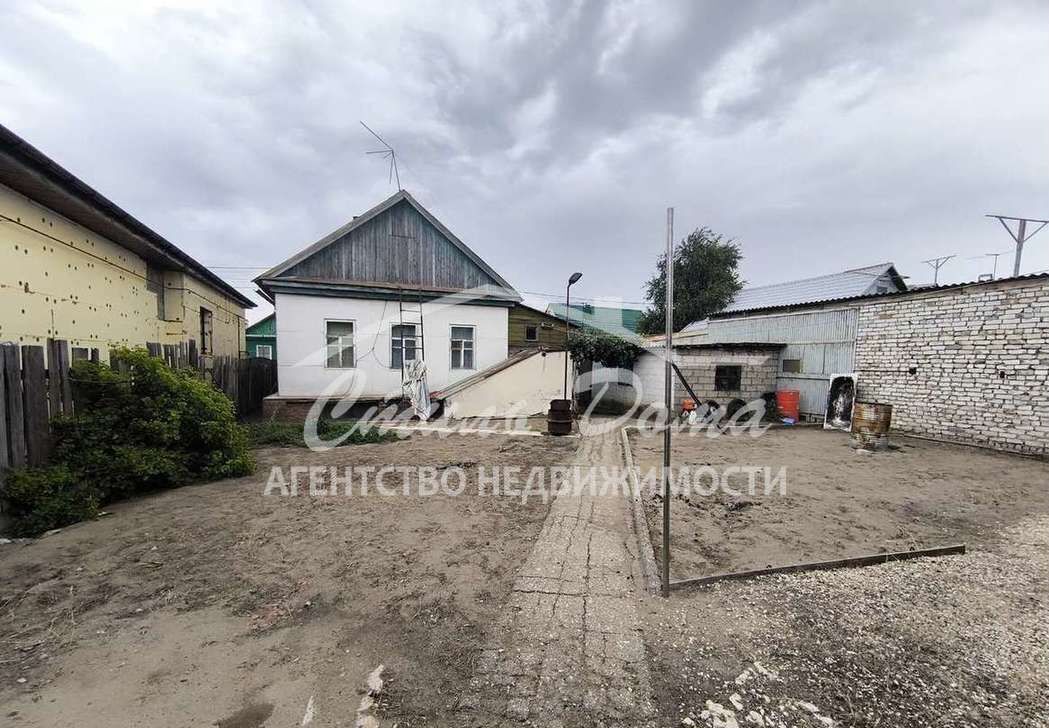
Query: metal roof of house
{"points": [[30, 172], [264, 327], [870, 297], [849, 283], [608, 318]]}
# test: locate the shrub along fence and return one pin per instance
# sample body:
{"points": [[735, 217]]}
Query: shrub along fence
{"points": [[35, 387]]}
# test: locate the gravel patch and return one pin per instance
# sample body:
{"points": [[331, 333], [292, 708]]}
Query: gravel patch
{"points": [[953, 641]]}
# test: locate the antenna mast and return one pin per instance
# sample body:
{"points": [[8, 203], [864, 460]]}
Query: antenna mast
{"points": [[936, 264], [387, 153], [1021, 235]]}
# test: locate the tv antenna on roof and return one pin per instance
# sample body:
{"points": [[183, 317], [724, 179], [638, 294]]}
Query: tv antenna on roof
{"points": [[936, 264], [387, 153], [993, 274], [1020, 236]]}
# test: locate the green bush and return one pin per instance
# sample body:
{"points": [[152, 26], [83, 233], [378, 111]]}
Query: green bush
{"points": [[139, 427], [145, 426], [41, 499], [288, 434], [588, 344]]}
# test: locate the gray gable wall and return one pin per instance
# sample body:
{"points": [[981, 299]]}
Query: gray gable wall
{"points": [[398, 246]]}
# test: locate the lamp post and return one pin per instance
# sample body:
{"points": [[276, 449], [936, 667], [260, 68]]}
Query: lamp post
{"points": [[568, 315]]}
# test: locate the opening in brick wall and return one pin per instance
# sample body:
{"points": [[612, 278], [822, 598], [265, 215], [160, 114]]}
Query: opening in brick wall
{"points": [[727, 377]]}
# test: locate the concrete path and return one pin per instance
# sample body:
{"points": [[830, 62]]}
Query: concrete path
{"points": [[571, 651]]}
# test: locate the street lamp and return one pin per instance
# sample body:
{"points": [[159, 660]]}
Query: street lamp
{"points": [[568, 315]]}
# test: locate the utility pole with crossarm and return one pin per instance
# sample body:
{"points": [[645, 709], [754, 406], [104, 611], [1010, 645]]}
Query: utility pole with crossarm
{"points": [[1021, 235]]}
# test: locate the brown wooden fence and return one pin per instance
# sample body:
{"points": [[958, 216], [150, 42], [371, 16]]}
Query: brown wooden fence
{"points": [[35, 386], [245, 381]]}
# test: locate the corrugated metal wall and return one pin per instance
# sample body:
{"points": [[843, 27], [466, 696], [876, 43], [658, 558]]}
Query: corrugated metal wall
{"points": [[823, 340]]}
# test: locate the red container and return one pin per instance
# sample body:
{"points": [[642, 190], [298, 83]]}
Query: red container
{"points": [[788, 401]]}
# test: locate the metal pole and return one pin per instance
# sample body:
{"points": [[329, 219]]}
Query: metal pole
{"points": [[669, 387], [1021, 234], [568, 315]]}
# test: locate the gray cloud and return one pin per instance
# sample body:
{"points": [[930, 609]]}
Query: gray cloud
{"points": [[551, 136]]}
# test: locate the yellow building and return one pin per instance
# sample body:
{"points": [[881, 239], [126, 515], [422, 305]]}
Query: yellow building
{"points": [[75, 266]]}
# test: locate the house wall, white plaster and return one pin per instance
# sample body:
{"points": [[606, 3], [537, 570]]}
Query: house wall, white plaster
{"points": [[301, 354], [522, 389]]}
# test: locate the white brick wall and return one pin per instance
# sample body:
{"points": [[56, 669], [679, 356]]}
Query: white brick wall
{"points": [[697, 366], [969, 364]]}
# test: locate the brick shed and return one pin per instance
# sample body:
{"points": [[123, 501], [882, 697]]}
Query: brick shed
{"points": [[717, 372], [966, 362]]}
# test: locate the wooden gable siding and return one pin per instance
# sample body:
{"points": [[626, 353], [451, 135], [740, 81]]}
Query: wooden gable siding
{"points": [[397, 246], [551, 329]]}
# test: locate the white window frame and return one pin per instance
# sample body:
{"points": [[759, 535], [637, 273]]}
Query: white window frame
{"points": [[353, 342], [451, 347], [267, 347], [415, 345]]}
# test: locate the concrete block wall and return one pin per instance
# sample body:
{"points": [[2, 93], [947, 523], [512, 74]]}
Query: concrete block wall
{"points": [[698, 366], [969, 364]]}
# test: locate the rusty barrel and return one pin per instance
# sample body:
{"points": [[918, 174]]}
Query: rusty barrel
{"points": [[788, 402], [870, 424], [559, 417]]}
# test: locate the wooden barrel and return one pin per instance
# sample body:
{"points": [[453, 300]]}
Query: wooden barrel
{"points": [[559, 417], [870, 424]]}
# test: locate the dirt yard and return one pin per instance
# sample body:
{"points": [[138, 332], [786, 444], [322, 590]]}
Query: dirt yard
{"points": [[213, 605], [947, 642], [838, 502]]}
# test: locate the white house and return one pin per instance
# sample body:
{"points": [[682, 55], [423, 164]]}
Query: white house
{"points": [[391, 286]]}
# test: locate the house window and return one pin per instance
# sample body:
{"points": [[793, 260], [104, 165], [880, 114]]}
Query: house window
{"points": [[339, 338], [264, 351], [727, 377], [403, 344], [792, 366], [462, 347], [81, 353], [205, 331], [531, 332]]}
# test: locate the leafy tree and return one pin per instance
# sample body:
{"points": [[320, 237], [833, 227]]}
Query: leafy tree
{"points": [[706, 279], [589, 344]]}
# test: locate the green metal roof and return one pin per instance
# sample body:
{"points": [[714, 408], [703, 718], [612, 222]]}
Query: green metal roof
{"points": [[265, 327], [601, 317]]}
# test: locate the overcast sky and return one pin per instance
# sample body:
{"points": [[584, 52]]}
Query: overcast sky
{"points": [[551, 136]]}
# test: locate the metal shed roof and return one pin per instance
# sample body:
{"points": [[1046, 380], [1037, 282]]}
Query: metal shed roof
{"points": [[891, 295], [849, 283]]}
